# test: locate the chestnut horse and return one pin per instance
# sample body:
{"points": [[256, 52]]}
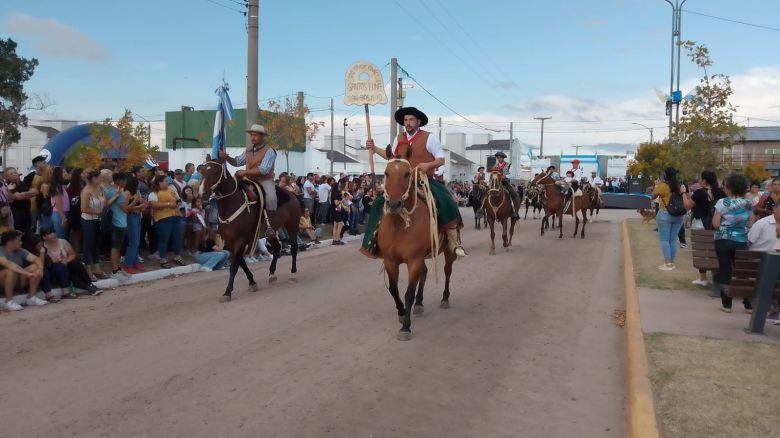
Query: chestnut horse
{"points": [[555, 205], [405, 235], [594, 198], [498, 207], [239, 220]]}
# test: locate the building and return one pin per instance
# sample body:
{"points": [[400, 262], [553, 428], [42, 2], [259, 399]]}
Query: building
{"points": [[33, 138], [760, 143]]}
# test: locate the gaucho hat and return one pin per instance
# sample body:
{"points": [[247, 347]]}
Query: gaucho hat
{"points": [[500, 154], [410, 110]]}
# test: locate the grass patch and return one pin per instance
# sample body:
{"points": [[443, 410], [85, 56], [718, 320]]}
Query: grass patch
{"points": [[714, 388], [647, 257]]}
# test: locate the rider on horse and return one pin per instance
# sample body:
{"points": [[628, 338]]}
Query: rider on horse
{"points": [[502, 167], [479, 178], [259, 160], [577, 170], [427, 154]]}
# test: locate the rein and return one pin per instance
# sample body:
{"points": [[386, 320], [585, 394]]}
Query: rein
{"points": [[217, 194], [494, 208]]}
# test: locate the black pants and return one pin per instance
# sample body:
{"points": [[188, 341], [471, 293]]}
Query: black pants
{"points": [[78, 275], [727, 251]]}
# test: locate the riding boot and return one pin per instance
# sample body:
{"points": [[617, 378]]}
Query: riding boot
{"points": [[453, 241]]}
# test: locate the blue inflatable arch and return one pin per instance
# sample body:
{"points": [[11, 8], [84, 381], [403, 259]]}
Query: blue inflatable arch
{"points": [[58, 147]]}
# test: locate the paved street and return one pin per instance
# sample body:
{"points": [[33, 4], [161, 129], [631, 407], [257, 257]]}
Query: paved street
{"points": [[528, 348]]}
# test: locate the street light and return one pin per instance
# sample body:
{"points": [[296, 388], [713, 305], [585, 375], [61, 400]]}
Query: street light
{"points": [[646, 127], [674, 93]]}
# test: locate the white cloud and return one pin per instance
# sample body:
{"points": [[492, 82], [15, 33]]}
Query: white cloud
{"points": [[50, 37]]}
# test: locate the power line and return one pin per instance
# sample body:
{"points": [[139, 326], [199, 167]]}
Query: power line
{"points": [[228, 7], [760, 26]]}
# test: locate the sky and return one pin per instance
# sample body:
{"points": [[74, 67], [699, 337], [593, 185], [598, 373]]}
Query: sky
{"points": [[591, 65]]}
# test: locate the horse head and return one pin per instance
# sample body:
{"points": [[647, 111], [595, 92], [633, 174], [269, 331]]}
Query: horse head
{"points": [[542, 178], [214, 174], [494, 184], [399, 182]]}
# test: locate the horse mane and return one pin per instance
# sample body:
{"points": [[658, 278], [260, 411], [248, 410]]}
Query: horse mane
{"points": [[282, 195]]}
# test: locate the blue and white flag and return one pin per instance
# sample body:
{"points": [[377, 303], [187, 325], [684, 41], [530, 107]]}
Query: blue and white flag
{"points": [[224, 111], [530, 153]]}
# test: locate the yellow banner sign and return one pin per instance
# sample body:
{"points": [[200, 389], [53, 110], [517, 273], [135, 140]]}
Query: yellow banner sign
{"points": [[363, 84]]}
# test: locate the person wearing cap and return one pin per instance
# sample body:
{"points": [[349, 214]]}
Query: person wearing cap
{"points": [[427, 154], [576, 170], [502, 167], [595, 180], [259, 159]]}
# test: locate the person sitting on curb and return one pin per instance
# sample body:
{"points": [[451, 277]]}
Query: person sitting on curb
{"points": [[18, 269]]}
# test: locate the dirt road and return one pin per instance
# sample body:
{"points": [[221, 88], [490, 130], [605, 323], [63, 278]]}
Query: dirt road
{"points": [[528, 348]]}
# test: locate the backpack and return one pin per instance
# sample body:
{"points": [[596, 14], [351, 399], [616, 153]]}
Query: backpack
{"points": [[676, 206]]}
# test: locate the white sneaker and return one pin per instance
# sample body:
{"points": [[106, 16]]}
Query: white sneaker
{"points": [[205, 269], [12, 306], [666, 267], [35, 301], [153, 256], [140, 259], [700, 282]]}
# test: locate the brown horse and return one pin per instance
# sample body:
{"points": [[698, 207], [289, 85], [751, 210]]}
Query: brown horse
{"points": [[477, 203], [498, 207], [555, 204], [532, 199], [242, 221], [405, 235], [595, 200]]}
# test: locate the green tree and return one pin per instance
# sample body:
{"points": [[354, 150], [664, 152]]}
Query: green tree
{"points": [[650, 160], [130, 146], [14, 72], [287, 126], [755, 171], [706, 131]]}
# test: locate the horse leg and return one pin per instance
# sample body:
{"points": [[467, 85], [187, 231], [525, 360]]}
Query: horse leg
{"points": [[294, 254], [234, 264], [560, 224], [576, 224], [504, 236], [544, 221], [276, 251], [449, 259], [584, 221], [512, 231], [252, 285], [418, 301], [492, 224], [392, 276], [415, 270]]}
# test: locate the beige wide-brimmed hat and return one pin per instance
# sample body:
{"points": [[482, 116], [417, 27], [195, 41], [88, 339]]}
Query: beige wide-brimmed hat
{"points": [[260, 129]]}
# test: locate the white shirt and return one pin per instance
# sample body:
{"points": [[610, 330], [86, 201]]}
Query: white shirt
{"points": [[306, 186], [323, 192], [596, 181], [763, 235], [433, 145], [577, 174]]}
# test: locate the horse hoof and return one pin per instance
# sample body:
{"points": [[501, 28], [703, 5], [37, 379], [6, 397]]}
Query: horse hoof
{"points": [[418, 310], [293, 278], [444, 305], [492, 252], [253, 287], [225, 299], [508, 248], [272, 278], [404, 336]]}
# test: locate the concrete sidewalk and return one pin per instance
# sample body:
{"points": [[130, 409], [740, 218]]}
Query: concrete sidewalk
{"points": [[694, 313]]}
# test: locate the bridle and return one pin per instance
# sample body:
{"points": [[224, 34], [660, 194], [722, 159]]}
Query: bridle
{"points": [[412, 182], [495, 187], [222, 177]]}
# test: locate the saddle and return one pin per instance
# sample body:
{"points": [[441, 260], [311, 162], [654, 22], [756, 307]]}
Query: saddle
{"points": [[252, 190]]}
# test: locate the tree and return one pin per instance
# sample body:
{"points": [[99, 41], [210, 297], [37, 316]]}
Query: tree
{"points": [[706, 130], [755, 171], [14, 72], [651, 159], [287, 126], [125, 142]]}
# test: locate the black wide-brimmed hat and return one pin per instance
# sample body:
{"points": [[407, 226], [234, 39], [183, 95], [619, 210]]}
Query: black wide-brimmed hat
{"points": [[500, 154], [410, 110]]}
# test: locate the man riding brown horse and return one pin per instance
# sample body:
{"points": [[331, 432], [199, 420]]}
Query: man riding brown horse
{"points": [[426, 154], [502, 167], [259, 160]]}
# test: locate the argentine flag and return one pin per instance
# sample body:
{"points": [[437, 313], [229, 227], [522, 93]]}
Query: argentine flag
{"points": [[224, 110], [530, 153]]}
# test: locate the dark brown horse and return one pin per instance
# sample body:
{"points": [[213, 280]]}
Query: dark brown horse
{"points": [[242, 221], [477, 203], [532, 199], [555, 204], [498, 207], [405, 235], [594, 198]]}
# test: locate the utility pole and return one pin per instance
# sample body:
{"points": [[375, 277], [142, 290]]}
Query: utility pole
{"points": [[331, 136], [674, 94], [299, 104], [400, 93], [511, 142], [541, 141], [646, 127], [252, 90], [345, 145], [440, 128], [576, 150], [393, 98]]}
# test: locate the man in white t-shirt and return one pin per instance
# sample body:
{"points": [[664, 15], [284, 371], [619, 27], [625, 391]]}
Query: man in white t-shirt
{"points": [[323, 193], [596, 181], [309, 192], [764, 235]]}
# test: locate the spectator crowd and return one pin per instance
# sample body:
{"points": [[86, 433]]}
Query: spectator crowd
{"points": [[61, 228]]}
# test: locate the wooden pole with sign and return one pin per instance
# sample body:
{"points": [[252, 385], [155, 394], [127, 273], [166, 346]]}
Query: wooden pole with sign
{"points": [[364, 85]]}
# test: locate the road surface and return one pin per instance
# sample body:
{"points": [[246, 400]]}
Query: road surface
{"points": [[528, 349]]}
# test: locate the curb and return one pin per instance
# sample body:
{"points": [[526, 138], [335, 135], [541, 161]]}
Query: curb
{"points": [[641, 411]]}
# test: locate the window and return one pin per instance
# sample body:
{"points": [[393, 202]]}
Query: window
{"points": [[772, 151]]}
